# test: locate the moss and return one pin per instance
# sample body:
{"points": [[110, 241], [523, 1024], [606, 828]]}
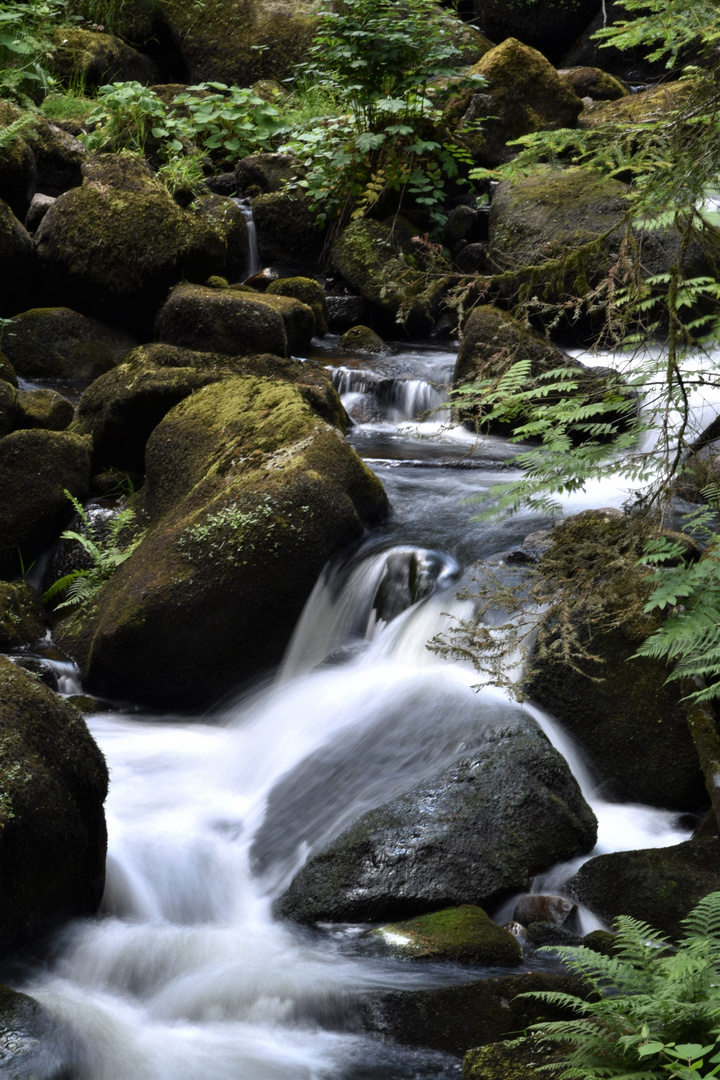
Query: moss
{"points": [[298, 318], [594, 83], [310, 292], [362, 339], [90, 58], [56, 342], [43, 409], [648, 106], [465, 935], [511, 1059], [221, 321], [8, 407], [22, 620]]}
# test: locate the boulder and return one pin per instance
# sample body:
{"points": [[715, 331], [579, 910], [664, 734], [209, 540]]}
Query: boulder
{"points": [[227, 321], [18, 268], [542, 907], [477, 830], [594, 83], [59, 158], [227, 217], [646, 107], [35, 469], [509, 1059], [53, 780], [265, 173], [7, 371], [363, 339], [113, 247], [58, 343], [238, 42], [524, 94], [310, 292], [37, 210], [287, 233], [471, 45], [92, 59], [298, 318], [43, 408], [32, 1043], [550, 27], [631, 724], [464, 935], [659, 886], [248, 493], [8, 407], [22, 619], [456, 1018]]}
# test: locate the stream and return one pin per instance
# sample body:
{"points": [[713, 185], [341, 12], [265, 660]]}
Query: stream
{"points": [[186, 975]]}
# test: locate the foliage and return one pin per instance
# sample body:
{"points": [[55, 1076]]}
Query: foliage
{"points": [[127, 114], [184, 173], [653, 1010], [25, 47], [388, 65], [106, 554]]}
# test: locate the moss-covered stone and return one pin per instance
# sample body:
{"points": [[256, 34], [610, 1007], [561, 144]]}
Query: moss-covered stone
{"points": [[53, 780], [265, 173], [298, 318], [18, 268], [287, 233], [456, 1018], [227, 217], [362, 339], [240, 41], [248, 493], [113, 247], [227, 321], [8, 407], [310, 292], [59, 158], [659, 886], [35, 469], [462, 935], [22, 620], [630, 723], [594, 83], [646, 107], [524, 94], [92, 58], [57, 343], [43, 408], [7, 371], [510, 1059]]}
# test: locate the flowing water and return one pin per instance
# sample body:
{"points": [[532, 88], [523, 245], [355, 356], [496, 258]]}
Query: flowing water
{"points": [[186, 974]]}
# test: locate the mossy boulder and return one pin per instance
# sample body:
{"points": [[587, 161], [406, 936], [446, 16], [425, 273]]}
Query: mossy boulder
{"points": [[8, 407], [287, 233], [550, 27], [35, 469], [227, 218], [524, 94], [310, 292], [455, 1018], [633, 726], [43, 408], [18, 267], [372, 257], [264, 173], [463, 935], [362, 339], [646, 107], [474, 832], [248, 493], [7, 371], [594, 83], [58, 343], [92, 59], [298, 318], [22, 619], [53, 780], [114, 246], [226, 321], [509, 1059], [660, 886], [240, 41]]}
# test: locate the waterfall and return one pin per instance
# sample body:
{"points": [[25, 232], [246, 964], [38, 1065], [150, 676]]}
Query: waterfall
{"points": [[254, 266]]}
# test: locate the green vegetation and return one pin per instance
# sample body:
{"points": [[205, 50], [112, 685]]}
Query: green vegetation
{"points": [[654, 1010], [25, 48]]}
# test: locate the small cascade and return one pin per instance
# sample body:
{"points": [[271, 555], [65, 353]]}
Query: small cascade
{"points": [[370, 395], [254, 265]]}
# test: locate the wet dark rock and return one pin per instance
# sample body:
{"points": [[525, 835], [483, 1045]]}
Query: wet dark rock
{"points": [[35, 469], [345, 311], [469, 835], [37, 210], [267, 173], [53, 780], [227, 217], [43, 408], [248, 493], [37, 668], [18, 267], [472, 259], [32, 1043], [287, 233], [544, 934], [8, 407], [456, 1018], [543, 907], [22, 619], [58, 343], [658, 886]]}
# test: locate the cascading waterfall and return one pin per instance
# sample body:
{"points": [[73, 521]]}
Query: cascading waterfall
{"points": [[187, 973], [254, 265]]}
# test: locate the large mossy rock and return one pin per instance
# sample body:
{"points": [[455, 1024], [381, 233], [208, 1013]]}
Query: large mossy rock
{"points": [[92, 58], [524, 94], [509, 1059], [43, 408], [659, 886], [22, 619], [633, 726], [53, 780], [469, 835], [287, 233], [372, 258], [57, 343], [248, 493], [310, 292], [594, 83], [456, 1018], [463, 935], [298, 318], [114, 246], [240, 41], [35, 469], [236, 323], [649, 106], [18, 267], [550, 27]]}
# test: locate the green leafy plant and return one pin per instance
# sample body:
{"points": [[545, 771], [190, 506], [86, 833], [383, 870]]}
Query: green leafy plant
{"points": [[105, 553], [653, 1010], [126, 115], [25, 47], [228, 122]]}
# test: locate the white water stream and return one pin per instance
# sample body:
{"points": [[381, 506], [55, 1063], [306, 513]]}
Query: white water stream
{"points": [[186, 975]]}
